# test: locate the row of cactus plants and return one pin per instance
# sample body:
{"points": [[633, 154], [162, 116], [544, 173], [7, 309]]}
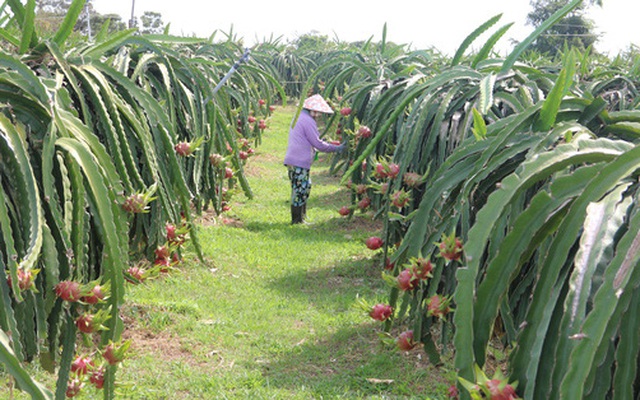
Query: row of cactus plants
{"points": [[528, 173], [521, 173], [106, 150]]}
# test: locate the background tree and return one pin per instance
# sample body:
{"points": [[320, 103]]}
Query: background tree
{"points": [[98, 20], [575, 30], [152, 22], [51, 13], [313, 41], [53, 6]]}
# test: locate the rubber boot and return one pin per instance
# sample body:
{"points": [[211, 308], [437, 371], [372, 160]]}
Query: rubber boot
{"points": [[304, 212], [296, 215]]}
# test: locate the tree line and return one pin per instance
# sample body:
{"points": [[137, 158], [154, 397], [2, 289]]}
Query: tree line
{"points": [[51, 13]]}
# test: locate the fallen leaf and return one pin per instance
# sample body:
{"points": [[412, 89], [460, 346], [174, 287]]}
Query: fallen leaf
{"points": [[385, 381]]}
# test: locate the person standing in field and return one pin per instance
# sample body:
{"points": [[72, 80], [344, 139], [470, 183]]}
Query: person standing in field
{"points": [[304, 141]]}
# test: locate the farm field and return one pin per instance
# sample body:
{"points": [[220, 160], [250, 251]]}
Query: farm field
{"points": [[476, 236], [272, 313]]}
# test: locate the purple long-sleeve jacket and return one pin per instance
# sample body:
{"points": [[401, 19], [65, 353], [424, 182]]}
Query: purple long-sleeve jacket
{"points": [[304, 140]]}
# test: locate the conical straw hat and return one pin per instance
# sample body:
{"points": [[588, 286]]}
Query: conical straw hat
{"points": [[317, 103]]}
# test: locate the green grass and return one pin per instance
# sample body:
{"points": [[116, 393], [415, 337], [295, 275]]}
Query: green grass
{"points": [[271, 313]]}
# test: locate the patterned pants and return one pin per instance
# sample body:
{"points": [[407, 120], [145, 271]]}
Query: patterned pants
{"points": [[300, 185]]}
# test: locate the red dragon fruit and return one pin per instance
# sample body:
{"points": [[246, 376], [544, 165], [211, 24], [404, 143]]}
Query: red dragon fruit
{"points": [[97, 377], [114, 353], [134, 203], [85, 323], [74, 386], [25, 278], [183, 149], [135, 274], [421, 268], [393, 170], [228, 173], [81, 365], [438, 306], [450, 247], [400, 198], [405, 341], [69, 291], [139, 202], [364, 203], [163, 252], [94, 297], [217, 160], [381, 312], [407, 280], [412, 179], [501, 390], [380, 171], [171, 231], [364, 132], [389, 265], [374, 243]]}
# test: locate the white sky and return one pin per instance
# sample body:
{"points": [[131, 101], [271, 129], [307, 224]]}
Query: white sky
{"points": [[442, 24]]}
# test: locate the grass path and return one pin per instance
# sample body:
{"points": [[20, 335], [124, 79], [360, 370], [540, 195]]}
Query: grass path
{"points": [[271, 314]]}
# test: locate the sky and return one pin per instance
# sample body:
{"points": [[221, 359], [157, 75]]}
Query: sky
{"points": [[438, 24]]}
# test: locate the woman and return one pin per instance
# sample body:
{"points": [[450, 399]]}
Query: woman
{"points": [[304, 140]]}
